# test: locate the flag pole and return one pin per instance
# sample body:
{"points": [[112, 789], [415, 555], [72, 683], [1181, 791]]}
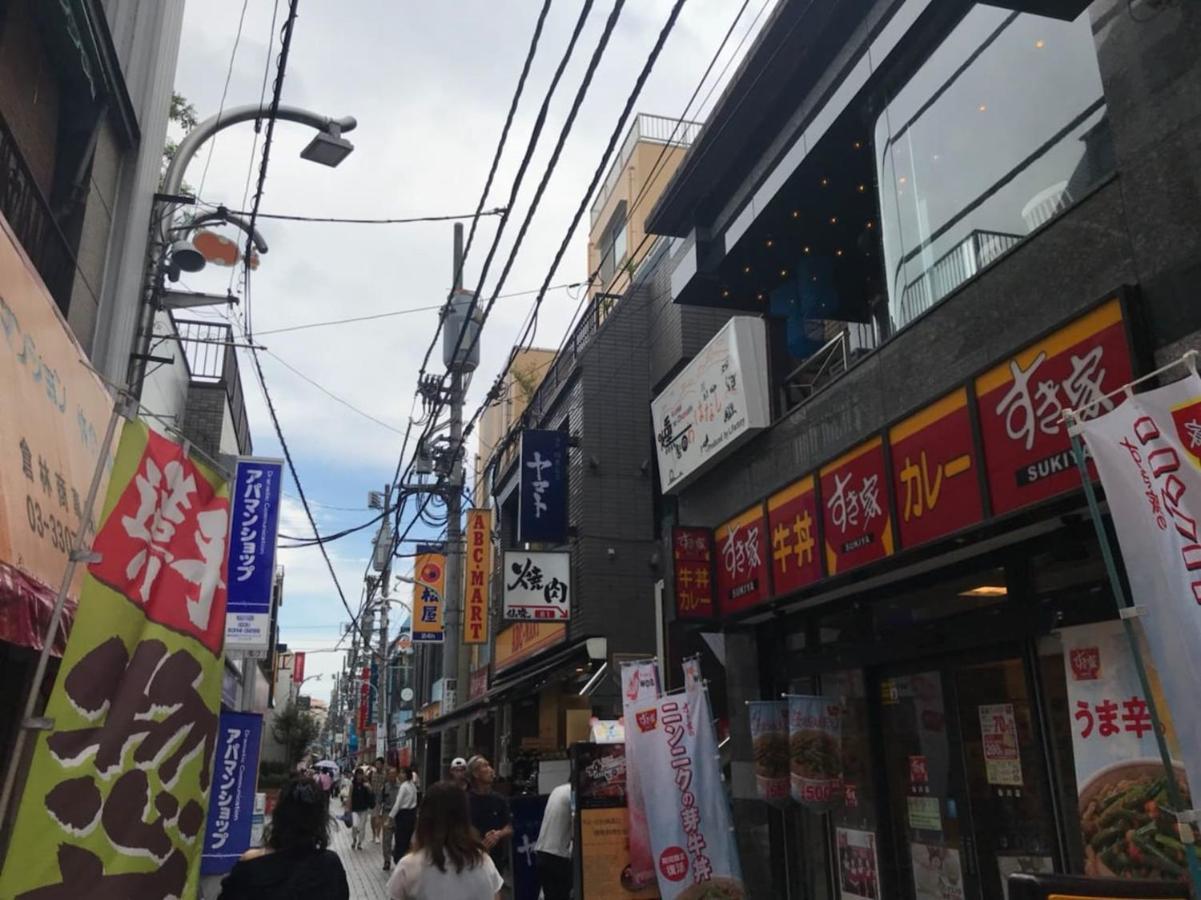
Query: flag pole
{"points": [[80, 552], [1128, 612]]}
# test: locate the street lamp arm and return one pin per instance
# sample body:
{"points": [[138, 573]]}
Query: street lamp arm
{"points": [[224, 215]]}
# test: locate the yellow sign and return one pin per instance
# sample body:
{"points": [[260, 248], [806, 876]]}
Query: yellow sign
{"points": [[478, 570], [429, 585], [53, 413], [521, 640], [605, 856]]}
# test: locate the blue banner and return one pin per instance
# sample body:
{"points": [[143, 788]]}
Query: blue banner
{"points": [[542, 503], [231, 802], [254, 523], [527, 822]]}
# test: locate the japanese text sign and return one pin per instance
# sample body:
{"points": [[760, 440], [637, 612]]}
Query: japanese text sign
{"points": [[792, 523], [231, 803], [255, 513], [542, 501], [117, 790], [742, 561], [429, 584], [934, 471], [999, 740], [364, 698], [537, 585], [856, 525], [521, 640], [692, 562], [1026, 445], [477, 575]]}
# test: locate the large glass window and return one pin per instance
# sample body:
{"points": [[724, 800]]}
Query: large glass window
{"points": [[1000, 129]]}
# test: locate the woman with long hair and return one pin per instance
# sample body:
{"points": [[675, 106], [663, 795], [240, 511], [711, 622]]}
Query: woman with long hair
{"points": [[295, 861], [448, 860]]}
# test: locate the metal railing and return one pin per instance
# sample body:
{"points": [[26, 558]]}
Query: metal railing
{"points": [[852, 341], [953, 268], [650, 129], [208, 348], [28, 213]]}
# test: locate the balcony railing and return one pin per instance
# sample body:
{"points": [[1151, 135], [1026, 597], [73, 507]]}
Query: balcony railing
{"points": [[28, 213], [652, 130], [850, 342], [953, 268], [208, 349]]}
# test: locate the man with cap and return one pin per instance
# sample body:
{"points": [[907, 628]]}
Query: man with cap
{"points": [[489, 811], [458, 772]]}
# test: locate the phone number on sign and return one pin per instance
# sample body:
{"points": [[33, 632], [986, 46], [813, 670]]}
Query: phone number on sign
{"points": [[48, 525]]}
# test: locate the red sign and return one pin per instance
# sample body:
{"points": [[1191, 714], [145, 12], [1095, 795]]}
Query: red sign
{"points": [[742, 570], [1026, 445], [855, 521], [919, 770], [1086, 663], [692, 559], [364, 698], [478, 683], [792, 523], [934, 470], [297, 668], [647, 719]]}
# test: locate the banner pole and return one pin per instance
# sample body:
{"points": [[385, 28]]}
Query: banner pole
{"points": [[1123, 602], [80, 551]]}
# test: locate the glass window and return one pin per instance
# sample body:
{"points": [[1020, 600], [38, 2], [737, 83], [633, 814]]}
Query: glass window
{"points": [[998, 131]]}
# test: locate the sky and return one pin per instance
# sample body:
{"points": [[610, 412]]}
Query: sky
{"points": [[430, 84]]}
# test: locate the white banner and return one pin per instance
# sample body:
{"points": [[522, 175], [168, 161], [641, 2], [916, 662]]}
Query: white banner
{"points": [[639, 686], [672, 744], [1148, 454]]}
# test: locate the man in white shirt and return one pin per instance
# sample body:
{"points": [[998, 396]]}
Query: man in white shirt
{"points": [[554, 845], [404, 814]]}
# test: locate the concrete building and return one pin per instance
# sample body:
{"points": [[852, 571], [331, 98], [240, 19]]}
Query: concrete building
{"points": [[521, 381]]}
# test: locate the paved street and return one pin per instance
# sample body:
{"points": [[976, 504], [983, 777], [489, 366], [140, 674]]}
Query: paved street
{"points": [[364, 868]]}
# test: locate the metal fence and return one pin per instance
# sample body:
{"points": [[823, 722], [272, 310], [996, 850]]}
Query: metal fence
{"points": [[953, 268], [650, 129], [212, 359]]}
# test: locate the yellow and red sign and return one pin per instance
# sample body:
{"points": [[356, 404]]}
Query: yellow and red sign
{"points": [[934, 471], [478, 570], [692, 563], [855, 517], [521, 640], [742, 570], [792, 521], [429, 587], [116, 796]]}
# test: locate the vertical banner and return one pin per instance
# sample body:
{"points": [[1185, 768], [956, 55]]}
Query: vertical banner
{"points": [[478, 574], [769, 738], [117, 791], [254, 510], [672, 744], [364, 698], [297, 668], [527, 822], [542, 497], [692, 565], [815, 751], [639, 685], [1148, 454], [429, 584], [372, 692], [1119, 775], [232, 804]]}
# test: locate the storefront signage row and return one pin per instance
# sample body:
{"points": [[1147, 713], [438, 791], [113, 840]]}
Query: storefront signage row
{"points": [[521, 640], [994, 445]]}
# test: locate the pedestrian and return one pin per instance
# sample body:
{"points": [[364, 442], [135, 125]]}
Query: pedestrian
{"points": [[448, 860], [379, 777], [385, 802], [404, 813], [362, 802], [489, 811], [553, 850], [295, 861], [458, 772]]}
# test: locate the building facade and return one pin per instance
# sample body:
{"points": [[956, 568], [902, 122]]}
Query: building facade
{"points": [[944, 223]]}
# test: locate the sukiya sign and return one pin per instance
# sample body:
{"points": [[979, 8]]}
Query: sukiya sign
{"points": [[542, 509]]}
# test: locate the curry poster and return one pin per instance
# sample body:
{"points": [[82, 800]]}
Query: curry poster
{"points": [[115, 803]]}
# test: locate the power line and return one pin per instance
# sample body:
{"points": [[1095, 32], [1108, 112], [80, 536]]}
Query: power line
{"points": [[224, 91], [286, 217], [331, 394]]}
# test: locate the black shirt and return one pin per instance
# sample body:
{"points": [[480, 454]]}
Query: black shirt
{"points": [[287, 875], [490, 812], [361, 797]]}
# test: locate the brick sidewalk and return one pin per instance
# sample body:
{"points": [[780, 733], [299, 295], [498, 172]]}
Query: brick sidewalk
{"points": [[364, 868]]}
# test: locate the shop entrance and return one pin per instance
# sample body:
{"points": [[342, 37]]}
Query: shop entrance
{"points": [[967, 793]]}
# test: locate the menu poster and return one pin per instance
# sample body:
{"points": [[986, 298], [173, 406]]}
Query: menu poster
{"points": [[858, 867], [998, 732], [815, 751], [937, 872], [769, 737]]}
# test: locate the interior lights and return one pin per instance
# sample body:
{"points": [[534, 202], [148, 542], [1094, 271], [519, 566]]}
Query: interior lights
{"points": [[833, 220]]}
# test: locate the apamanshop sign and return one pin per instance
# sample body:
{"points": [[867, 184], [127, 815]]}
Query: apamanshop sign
{"points": [[255, 504], [231, 802], [1148, 454]]}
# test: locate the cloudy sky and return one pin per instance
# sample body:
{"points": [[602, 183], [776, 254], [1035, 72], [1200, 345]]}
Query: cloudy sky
{"points": [[430, 83]]}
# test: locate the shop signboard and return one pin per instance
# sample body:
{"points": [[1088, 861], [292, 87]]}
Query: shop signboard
{"points": [[856, 525], [227, 834], [255, 510], [792, 522], [815, 751], [537, 585], [134, 709], [477, 684], [542, 496], [52, 418], [742, 569], [429, 585], [935, 471], [522, 640], [720, 399], [364, 697], [1027, 450], [769, 740], [692, 563], [477, 576], [1148, 453], [1118, 767], [297, 668]]}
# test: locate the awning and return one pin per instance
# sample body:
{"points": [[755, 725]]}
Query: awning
{"points": [[26, 606]]}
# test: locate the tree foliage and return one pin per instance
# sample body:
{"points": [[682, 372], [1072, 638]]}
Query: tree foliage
{"points": [[183, 116], [295, 729]]}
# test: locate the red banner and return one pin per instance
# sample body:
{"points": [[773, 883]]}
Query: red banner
{"points": [[792, 523], [934, 471], [1026, 445], [364, 697], [692, 563], [297, 668], [856, 523], [742, 570]]}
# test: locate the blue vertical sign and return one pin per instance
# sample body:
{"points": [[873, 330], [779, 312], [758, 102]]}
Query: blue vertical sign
{"points": [[254, 523], [231, 799], [527, 822], [542, 503]]}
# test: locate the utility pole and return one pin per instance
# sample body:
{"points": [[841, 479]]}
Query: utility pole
{"points": [[454, 495], [385, 538]]}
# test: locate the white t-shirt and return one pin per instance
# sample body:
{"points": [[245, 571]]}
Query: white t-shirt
{"points": [[417, 878], [555, 834]]}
